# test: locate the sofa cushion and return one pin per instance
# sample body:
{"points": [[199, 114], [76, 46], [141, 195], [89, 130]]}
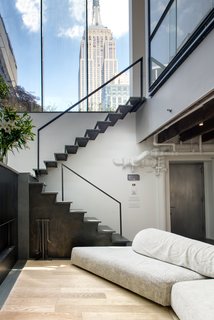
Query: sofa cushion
{"points": [[150, 278], [193, 300], [172, 248]]}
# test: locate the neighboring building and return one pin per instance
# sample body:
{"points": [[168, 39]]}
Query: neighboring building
{"points": [[8, 67], [100, 53], [116, 93]]}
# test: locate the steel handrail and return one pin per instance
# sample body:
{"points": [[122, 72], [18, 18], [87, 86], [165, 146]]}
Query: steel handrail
{"points": [[140, 60], [92, 184], [7, 222]]}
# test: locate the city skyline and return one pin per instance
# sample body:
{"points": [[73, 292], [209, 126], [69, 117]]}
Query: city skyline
{"points": [[63, 27], [98, 63]]}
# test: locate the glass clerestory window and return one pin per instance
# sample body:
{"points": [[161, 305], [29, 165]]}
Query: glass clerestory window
{"points": [[172, 23], [55, 52]]}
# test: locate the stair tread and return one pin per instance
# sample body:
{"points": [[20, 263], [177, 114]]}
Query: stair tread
{"points": [[113, 115], [71, 149], [92, 133], [81, 141], [102, 125], [136, 102], [63, 202], [91, 219], [82, 138], [61, 156], [49, 193], [105, 229], [116, 237], [41, 171], [36, 183], [93, 130], [77, 211], [124, 109], [113, 118], [51, 163]]}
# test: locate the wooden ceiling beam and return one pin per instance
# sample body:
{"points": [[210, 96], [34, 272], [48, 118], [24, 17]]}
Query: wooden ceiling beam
{"points": [[208, 136], [197, 130], [192, 120]]}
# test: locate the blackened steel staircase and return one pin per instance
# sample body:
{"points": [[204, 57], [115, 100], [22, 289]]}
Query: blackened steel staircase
{"points": [[111, 119]]}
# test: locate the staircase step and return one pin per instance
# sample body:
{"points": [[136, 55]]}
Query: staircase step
{"points": [[51, 164], [81, 141], [92, 133], [32, 179], [40, 172], [71, 149], [113, 118], [78, 214], [136, 103], [124, 109], [51, 195], [38, 186], [61, 156], [105, 229], [102, 125], [65, 204], [118, 240], [77, 210], [91, 219]]}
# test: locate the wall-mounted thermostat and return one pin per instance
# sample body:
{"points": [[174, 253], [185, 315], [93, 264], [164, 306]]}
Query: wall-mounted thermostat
{"points": [[133, 177]]}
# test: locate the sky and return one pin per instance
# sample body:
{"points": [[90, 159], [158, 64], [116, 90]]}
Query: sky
{"points": [[63, 26]]}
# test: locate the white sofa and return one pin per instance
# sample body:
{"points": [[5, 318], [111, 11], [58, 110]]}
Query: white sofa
{"points": [[161, 266]]}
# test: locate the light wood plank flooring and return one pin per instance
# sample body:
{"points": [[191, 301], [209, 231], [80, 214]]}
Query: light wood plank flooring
{"points": [[56, 290]]}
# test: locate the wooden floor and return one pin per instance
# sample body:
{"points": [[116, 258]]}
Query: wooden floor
{"points": [[56, 290]]}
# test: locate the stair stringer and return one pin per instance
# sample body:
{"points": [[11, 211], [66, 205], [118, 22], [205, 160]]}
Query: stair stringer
{"points": [[66, 229]]}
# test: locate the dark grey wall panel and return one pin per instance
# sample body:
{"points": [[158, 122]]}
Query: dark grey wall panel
{"points": [[8, 219]]}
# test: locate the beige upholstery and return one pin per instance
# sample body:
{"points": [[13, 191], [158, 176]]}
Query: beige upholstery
{"points": [[194, 300], [175, 249], [148, 277]]}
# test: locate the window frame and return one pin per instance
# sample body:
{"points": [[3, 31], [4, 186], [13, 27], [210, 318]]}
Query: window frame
{"points": [[203, 29]]}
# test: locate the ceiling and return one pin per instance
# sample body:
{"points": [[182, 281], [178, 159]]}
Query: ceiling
{"points": [[199, 122]]}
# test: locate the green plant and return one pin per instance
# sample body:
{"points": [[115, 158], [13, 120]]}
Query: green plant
{"points": [[4, 89], [15, 130]]}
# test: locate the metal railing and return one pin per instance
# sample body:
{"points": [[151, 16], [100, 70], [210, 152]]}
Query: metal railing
{"points": [[96, 187], [139, 61]]}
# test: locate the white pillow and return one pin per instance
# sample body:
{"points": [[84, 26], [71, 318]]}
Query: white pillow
{"points": [[172, 248]]}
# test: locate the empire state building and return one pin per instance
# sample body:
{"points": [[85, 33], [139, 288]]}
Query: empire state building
{"points": [[100, 51]]}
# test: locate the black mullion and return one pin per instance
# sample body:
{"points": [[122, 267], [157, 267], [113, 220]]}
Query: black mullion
{"points": [[86, 36], [149, 46], [168, 7]]}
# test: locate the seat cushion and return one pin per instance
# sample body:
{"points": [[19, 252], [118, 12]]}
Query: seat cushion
{"points": [[150, 278], [193, 300], [172, 248]]}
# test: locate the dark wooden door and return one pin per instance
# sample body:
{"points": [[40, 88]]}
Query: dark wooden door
{"points": [[187, 200]]}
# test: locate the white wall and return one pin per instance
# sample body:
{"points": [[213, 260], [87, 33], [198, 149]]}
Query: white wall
{"points": [[144, 209]]}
